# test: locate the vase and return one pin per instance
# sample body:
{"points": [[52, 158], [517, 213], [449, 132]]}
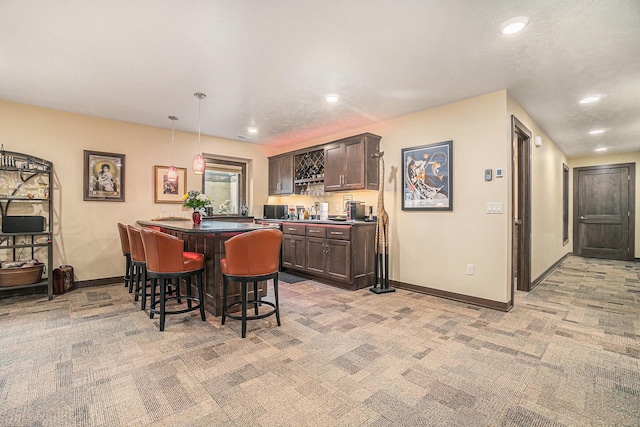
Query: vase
{"points": [[197, 217]]}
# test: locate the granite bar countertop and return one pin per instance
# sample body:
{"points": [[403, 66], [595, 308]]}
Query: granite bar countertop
{"points": [[318, 221], [205, 227]]}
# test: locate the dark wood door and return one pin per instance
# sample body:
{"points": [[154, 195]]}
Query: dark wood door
{"points": [[521, 245], [602, 211], [281, 175], [274, 176], [333, 167], [293, 252], [316, 255], [353, 164], [339, 260]]}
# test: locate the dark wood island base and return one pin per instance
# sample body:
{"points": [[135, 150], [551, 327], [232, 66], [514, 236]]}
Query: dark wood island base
{"points": [[208, 238]]}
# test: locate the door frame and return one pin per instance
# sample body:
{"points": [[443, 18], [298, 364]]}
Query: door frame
{"points": [[520, 192], [631, 198]]}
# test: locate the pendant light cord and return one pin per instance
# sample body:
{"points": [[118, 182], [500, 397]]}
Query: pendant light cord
{"points": [[173, 137], [200, 97]]}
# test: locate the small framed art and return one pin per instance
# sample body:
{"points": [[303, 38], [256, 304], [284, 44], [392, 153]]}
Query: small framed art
{"points": [[167, 190], [103, 176]]}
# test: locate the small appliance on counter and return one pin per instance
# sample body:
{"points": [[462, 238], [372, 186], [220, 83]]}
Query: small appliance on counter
{"points": [[324, 211], [275, 212], [355, 210]]}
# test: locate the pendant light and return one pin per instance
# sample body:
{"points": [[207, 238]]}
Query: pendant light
{"points": [[198, 160], [172, 172]]}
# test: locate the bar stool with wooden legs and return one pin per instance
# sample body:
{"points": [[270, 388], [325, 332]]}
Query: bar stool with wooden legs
{"points": [[126, 251], [251, 257], [166, 260]]}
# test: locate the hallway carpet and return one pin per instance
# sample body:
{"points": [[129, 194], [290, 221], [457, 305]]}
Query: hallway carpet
{"points": [[568, 354]]}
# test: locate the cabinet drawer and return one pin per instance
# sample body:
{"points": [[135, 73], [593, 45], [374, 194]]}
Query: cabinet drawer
{"points": [[291, 228], [340, 233], [316, 231]]}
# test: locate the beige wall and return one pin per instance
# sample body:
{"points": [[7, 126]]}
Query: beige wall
{"points": [[547, 245], [85, 232], [428, 249], [432, 249], [612, 159]]}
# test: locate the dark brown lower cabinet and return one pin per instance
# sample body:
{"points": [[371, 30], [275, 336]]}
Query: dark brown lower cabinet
{"points": [[338, 259], [341, 255], [293, 248]]}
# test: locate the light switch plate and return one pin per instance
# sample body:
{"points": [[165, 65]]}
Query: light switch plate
{"points": [[494, 207]]}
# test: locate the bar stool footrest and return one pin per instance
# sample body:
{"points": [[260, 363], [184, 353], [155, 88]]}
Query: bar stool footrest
{"points": [[154, 310], [253, 316]]}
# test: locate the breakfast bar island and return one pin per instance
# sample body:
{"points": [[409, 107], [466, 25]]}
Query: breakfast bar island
{"points": [[208, 238]]}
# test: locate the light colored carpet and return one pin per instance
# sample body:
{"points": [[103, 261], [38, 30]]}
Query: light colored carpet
{"points": [[567, 354]]}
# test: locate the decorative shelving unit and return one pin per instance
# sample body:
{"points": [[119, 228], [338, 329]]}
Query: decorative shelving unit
{"points": [[26, 187]]}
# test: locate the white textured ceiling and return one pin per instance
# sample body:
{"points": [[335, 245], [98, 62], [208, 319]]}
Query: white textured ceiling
{"points": [[269, 63]]}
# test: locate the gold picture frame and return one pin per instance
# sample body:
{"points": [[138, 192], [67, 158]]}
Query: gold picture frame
{"points": [[103, 176], [166, 191]]}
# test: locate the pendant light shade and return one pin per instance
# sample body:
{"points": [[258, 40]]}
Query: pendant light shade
{"points": [[172, 172], [198, 164], [198, 161]]}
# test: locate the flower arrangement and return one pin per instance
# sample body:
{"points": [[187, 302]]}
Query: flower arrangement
{"points": [[195, 200]]}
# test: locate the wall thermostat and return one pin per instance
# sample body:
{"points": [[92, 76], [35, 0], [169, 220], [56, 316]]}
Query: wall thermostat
{"points": [[488, 174], [499, 173]]}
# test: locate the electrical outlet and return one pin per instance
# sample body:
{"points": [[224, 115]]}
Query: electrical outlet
{"points": [[163, 208], [470, 269]]}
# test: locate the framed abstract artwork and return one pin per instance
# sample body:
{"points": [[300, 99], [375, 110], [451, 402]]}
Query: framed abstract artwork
{"points": [[427, 181], [103, 176]]}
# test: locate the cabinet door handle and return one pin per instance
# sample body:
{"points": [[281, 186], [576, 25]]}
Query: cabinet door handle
{"points": [[314, 231], [340, 233], [291, 229]]}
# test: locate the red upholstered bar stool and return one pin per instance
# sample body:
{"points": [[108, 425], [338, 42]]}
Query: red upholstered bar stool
{"points": [[126, 251], [251, 257], [166, 260]]}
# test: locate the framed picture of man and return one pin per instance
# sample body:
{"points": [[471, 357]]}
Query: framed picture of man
{"points": [[169, 190], [103, 176]]}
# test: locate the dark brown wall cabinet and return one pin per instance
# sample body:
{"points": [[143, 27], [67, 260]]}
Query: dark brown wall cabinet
{"points": [[281, 175], [341, 165], [348, 163]]}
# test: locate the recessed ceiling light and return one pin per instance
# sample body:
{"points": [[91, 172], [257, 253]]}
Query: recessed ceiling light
{"points": [[596, 132], [601, 149], [252, 130], [332, 97], [590, 99], [514, 25]]}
